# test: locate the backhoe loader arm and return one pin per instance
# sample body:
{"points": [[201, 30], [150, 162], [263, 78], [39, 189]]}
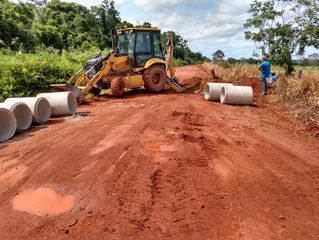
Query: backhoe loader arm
{"points": [[168, 55], [106, 67], [75, 76]]}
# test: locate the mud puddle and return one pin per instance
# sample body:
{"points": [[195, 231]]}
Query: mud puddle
{"points": [[42, 201]]}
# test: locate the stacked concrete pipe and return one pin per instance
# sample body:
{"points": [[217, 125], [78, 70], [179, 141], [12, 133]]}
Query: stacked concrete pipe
{"points": [[236, 95], [39, 106], [62, 103], [8, 124], [212, 91], [22, 114]]}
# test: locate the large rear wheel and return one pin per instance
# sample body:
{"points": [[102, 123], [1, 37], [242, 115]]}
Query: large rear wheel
{"points": [[154, 78], [117, 87]]}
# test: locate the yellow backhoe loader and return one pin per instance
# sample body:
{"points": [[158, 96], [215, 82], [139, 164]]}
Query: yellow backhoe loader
{"points": [[137, 61]]}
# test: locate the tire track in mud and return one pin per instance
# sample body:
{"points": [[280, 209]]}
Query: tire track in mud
{"points": [[187, 185]]}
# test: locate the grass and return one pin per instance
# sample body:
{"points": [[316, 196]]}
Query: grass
{"points": [[300, 96], [232, 73]]}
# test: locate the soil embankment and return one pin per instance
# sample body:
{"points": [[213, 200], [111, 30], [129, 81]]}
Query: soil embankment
{"points": [[163, 166]]}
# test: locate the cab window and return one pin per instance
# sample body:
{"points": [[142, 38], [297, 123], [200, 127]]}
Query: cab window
{"points": [[157, 45], [143, 49]]}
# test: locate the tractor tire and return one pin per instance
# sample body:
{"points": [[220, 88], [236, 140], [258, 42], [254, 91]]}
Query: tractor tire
{"points": [[117, 87], [154, 78]]}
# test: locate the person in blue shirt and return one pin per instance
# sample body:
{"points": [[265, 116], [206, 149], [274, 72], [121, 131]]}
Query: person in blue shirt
{"points": [[265, 72]]}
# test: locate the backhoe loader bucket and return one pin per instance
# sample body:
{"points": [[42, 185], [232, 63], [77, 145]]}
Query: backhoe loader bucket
{"points": [[173, 83], [69, 87]]}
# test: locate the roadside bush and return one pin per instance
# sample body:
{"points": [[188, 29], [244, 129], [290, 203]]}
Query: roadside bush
{"points": [[189, 61], [231, 74], [27, 74], [301, 96]]}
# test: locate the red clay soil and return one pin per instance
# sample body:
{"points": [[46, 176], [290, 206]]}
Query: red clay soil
{"points": [[162, 166]]}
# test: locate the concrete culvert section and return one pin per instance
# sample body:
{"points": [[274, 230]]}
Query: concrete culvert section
{"points": [[8, 124], [236, 95], [62, 103], [22, 114], [40, 108], [212, 91]]}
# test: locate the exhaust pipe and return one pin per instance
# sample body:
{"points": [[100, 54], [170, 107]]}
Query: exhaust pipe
{"points": [[8, 124], [62, 103], [40, 108], [22, 114]]}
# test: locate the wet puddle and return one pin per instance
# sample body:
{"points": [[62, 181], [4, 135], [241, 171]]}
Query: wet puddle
{"points": [[42, 201], [163, 148]]}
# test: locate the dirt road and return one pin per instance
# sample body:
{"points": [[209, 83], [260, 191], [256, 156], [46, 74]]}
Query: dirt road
{"points": [[162, 166]]}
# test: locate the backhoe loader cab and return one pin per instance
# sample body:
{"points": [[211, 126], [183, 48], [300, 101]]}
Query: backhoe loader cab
{"points": [[141, 44], [137, 61]]}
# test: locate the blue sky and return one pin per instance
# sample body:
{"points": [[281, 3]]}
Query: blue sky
{"points": [[207, 25]]}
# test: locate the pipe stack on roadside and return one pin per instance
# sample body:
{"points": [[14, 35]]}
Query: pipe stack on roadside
{"points": [[226, 93], [17, 114]]}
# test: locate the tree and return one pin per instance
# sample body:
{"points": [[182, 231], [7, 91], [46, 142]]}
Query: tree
{"points": [[282, 28], [107, 18], [231, 60], [145, 24], [218, 55]]}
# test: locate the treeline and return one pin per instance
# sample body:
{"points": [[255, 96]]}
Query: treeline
{"points": [[219, 57], [303, 62], [69, 26]]}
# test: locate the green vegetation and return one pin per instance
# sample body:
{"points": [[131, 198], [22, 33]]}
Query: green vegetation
{"points": [[23, 74], [60, 25], [283, 28]]}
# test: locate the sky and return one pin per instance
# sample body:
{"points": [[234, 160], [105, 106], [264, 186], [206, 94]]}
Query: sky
{"points": [[207, 25]]}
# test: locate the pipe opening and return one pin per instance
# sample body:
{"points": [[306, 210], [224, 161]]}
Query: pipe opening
{"points": [[43, 110], [223, 95], [23, 116], [207, 92], [72, 103], [7, 124]]}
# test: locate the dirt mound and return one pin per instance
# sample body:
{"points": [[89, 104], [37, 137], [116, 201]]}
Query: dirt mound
{"points": [[193, 77], [253, 82]]}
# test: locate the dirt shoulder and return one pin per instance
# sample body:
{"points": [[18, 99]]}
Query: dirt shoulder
{"points": [[165, 166]]}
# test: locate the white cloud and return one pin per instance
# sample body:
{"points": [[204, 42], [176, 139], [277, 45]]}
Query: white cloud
{"points": [[119, 2], [148, 5], [221, 25]]}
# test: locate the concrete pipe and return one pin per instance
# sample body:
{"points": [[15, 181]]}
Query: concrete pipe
{"points": [[21, 112], [212, 91], [8, 124], [62, 103], [237, 95], [40, 108]]}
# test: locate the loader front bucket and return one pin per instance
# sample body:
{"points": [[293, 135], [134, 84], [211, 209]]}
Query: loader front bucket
{"points": [[69, 87]]}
